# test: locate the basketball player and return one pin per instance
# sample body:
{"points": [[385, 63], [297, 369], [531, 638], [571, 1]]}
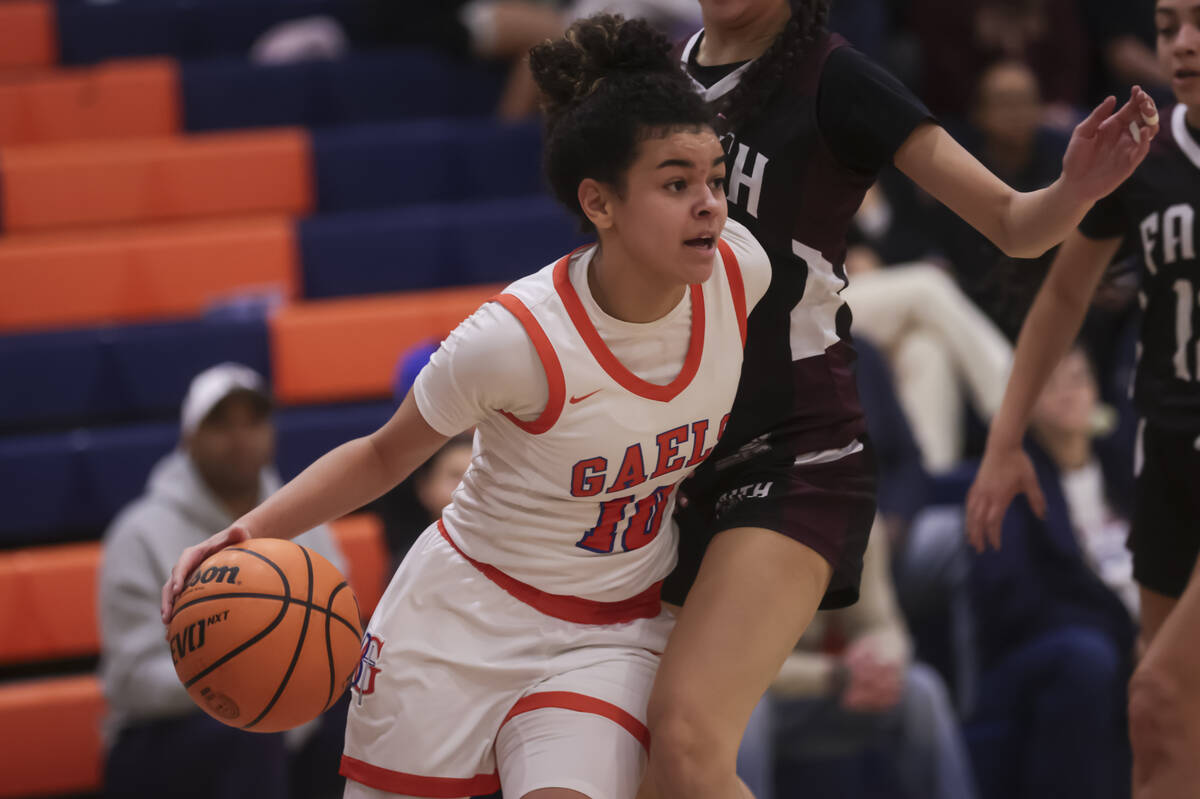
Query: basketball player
{"points": [[789, 494], [1156, 208], [517, 643]]}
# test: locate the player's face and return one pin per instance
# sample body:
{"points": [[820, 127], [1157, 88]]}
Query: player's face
{"points": [[672, 209], [1178, 23], [734, 14], [1067, 405], [233, 444]]}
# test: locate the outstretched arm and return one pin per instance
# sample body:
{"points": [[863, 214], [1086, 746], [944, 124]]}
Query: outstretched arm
{"points": [[1101, 155], [1052, 324]]}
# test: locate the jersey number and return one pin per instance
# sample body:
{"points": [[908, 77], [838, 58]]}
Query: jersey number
{"points": [[641, 529], [1185, 300]]}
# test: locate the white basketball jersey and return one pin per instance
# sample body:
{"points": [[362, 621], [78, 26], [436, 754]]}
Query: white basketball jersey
{"points": [[579, 501]]}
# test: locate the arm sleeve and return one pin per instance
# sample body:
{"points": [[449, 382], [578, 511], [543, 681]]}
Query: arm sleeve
{"points": [[752, 260], [136, 667], [1106, 220], [864, 112], [487, 364]]}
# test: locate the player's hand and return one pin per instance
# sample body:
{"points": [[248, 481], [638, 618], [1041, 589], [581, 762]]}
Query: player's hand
{"points": [[875, 682], [1004, 473], [1104, 149], [192, 557]]}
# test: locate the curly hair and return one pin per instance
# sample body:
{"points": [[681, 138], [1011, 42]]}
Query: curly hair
{"points": [[607, 85], [763, 78]]}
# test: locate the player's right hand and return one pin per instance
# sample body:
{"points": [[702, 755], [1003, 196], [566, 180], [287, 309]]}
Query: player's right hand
{"points": [[1004, 473], [192, 557]]}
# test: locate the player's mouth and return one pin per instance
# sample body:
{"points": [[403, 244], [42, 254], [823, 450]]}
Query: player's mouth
{"points": [[1186, 74], [702, 243]]}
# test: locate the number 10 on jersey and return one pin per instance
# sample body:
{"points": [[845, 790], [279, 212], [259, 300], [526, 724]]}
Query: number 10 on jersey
{"points": [[641, 529]]}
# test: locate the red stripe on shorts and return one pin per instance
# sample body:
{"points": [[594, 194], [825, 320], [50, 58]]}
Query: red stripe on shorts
{"points": [[385, 779], [645, 605], [569, 700]]}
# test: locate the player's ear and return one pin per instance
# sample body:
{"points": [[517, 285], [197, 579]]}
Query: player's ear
{"points": [[595, 199]]}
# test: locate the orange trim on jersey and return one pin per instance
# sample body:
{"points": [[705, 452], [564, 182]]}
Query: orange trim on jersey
{"points": [[645, 605], [385, 779], [550, 364], [737, 287], [569, 700], [616, 370]]}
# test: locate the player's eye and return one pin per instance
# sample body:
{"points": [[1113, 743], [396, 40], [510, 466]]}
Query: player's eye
{"points": [[719, 183], [677, 185]]}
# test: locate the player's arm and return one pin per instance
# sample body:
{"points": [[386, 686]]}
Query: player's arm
{"points": [[1051, 326], [342, 480], [1101, 155]]}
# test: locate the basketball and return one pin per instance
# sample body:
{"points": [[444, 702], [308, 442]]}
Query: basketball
{"points": [[266, 635]]}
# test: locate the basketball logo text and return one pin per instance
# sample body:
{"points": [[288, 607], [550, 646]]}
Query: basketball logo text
{"points": [[191, 638], [363, 681], [220, 574]]}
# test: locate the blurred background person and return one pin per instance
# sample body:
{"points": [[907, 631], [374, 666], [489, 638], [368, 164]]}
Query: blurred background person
{"points": [[160, 742]]}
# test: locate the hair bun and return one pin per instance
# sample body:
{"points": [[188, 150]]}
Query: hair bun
{"points": [[594, 49]]}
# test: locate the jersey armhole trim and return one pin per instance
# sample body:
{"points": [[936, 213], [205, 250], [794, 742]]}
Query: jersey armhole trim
{"points": [[550, 365], [737, 287], [582, 703]]}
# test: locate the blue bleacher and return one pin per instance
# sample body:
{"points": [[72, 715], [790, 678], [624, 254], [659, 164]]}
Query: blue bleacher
{"points": [[92, 31], [389, 165], [118, 373], [428, 246], [361, 87], [69, 485]]}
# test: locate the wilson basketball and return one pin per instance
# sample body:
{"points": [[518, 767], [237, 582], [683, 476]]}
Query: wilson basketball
{"points": [[266, 635]]}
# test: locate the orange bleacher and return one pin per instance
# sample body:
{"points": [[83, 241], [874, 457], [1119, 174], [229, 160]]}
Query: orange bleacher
{"points": [[48, 611], [118, 99], [61, 185], [27, 33], [346, 349], [141, 273]]}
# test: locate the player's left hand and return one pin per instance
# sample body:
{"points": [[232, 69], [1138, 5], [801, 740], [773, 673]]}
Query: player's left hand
{"points": [[1106, 147]]}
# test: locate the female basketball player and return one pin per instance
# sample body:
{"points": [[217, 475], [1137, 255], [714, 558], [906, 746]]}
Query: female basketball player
{"points": [[790, 491], [516, 645], [1156, 207]]}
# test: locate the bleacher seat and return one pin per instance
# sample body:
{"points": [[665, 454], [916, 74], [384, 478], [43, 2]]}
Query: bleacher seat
{"points": [[27, 34], [68, 486], [115, 100], [346, 349], [383, 166], [62, 185], [361, 87], [130, 274], [118, 374], [90, 31], [424, 247]]}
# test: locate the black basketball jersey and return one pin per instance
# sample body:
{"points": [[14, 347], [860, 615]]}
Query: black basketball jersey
{"points": [[785, 184], [1157, 209]]}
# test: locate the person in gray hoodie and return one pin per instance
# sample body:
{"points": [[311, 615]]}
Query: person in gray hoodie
{"points": [[160, 742]]}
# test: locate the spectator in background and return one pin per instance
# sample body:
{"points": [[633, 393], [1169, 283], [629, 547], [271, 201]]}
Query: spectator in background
{"points": [[417, 502], [160, 742], [959, 40], [1122, 38], [1006, 133], [937, 343], [867, 696], [1055, 609]]}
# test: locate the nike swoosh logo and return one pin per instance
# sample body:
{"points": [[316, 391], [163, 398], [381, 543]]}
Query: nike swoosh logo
{"points": [[581, 399]]}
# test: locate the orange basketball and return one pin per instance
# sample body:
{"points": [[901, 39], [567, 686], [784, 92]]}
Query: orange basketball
{"points": [[266, 635]]}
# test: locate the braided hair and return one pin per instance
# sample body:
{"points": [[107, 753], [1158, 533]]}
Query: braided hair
{"points": [[763, 78], [607, 85]]}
